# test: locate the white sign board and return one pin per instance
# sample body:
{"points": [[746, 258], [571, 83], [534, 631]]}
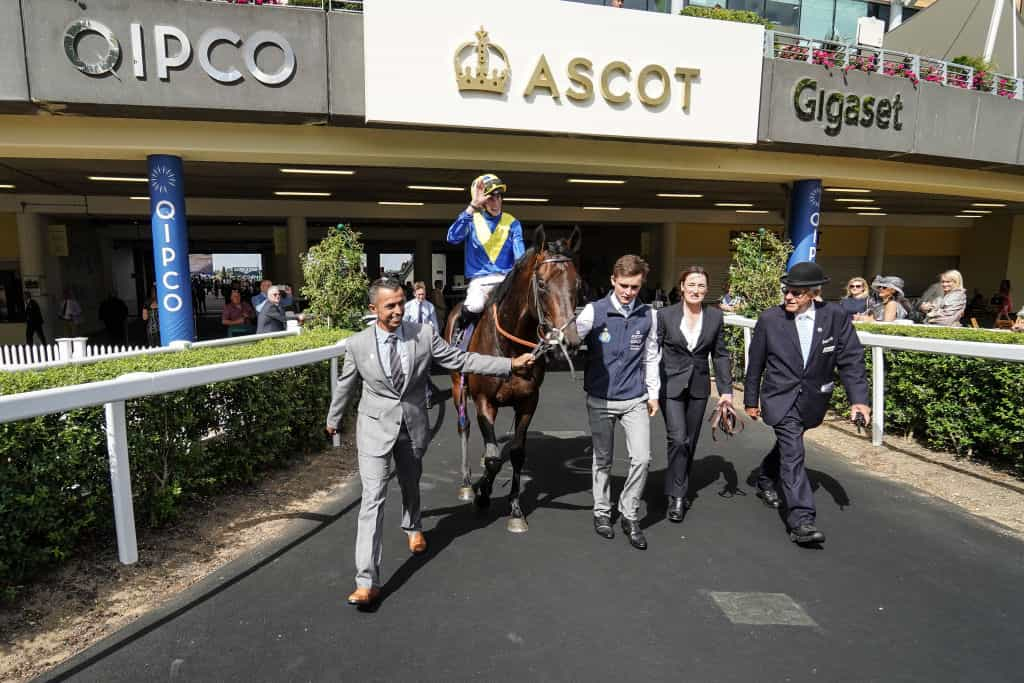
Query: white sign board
{"points": [[562, 67]]}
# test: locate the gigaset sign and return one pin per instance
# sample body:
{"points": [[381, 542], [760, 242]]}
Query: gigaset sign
{"points": [[166, 60]]}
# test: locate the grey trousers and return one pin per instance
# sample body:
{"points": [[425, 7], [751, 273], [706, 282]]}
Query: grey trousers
{"points": [[633, 416], [375, 472]]}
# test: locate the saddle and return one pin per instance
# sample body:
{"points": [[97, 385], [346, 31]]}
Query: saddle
{"points": [[726, 419]]}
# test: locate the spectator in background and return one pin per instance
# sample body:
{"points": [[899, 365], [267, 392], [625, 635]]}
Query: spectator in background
{"points": [[617, 3], [33, 320], [856, 299], [889, 289], [70, 313], [261, 298], [419, 310], [238, 315], [151, 316], [437, 298], [114, 313], [950, 306], [729, 302], [272, 317], [1003, 302], [1018, 324]]}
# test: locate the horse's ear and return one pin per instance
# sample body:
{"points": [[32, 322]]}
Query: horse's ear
{"points": [[575, 240], [539, 238]]}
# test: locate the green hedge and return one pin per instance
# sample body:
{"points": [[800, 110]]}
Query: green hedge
{"points": [[971, 407], [722, 14], [54, 478]]}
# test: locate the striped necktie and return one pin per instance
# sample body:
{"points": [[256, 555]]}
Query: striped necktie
{"points": [[397, 374]]}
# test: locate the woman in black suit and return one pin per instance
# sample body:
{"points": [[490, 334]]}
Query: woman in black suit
{"points": [[688, 334]]}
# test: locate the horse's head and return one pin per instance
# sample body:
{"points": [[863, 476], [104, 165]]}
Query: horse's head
{"points": [[555, 284]]}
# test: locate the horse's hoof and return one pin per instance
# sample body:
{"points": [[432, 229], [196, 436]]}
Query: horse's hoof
{"points": [[517, 525], [466, 494]]}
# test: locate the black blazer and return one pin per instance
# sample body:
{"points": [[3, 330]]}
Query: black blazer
{"points": [[775, 353], [682, 369]]}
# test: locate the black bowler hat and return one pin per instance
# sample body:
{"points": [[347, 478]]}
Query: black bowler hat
{"points": [[804, 274]]}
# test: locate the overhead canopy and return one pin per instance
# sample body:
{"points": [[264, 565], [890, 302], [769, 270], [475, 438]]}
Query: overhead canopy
{"points": [[951, 28]]}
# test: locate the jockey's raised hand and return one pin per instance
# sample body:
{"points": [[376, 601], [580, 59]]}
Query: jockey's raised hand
{"points": [[476, 203]]}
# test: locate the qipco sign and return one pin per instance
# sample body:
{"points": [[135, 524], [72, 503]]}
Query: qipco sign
{"points": [[175, 54]]}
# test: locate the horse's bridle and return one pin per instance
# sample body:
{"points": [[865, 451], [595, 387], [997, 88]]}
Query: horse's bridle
{"points": [[549, 337]]}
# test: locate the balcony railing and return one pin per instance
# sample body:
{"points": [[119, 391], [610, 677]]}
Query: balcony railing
{"points": [[321, 5], [891, 63]]}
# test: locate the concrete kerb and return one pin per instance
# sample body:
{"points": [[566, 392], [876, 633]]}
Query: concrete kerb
{"points": [[303, 527]]}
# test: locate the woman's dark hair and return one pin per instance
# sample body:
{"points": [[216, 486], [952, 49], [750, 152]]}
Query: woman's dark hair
{"points": [[691, 270]]}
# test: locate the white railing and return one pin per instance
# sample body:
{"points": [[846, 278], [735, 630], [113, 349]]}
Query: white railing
{"points": [[880, 342], [112, 394], [851, 57], [75, 351]]}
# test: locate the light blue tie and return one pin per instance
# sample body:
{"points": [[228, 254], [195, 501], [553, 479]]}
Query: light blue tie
{"points": [[805, 328]]}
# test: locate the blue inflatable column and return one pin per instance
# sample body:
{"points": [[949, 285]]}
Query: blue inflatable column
{"points": [[170, 248], [804, 217]]}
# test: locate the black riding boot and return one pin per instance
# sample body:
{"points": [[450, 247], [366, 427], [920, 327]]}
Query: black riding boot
{"points": [[466, 320]]}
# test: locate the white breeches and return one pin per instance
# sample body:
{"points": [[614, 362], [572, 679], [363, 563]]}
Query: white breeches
{"points": [[479, 288]]}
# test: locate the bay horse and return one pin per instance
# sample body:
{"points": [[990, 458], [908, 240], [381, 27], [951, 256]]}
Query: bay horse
{"points": [[532, 310]]}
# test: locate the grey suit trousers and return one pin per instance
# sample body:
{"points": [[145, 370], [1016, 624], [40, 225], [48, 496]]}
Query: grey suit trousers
{"points": [[633, 416], [375, 471]]}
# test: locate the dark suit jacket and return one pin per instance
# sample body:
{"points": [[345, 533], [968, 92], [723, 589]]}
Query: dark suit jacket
{"points": [[775, 353], [682, 369]]}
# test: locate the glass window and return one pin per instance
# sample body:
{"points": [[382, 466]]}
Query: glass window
{"points": [[816, 19], [747, 5], [785, 14], [847, 14]]}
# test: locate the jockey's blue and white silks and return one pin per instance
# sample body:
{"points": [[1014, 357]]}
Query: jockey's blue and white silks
{"points": [[493, 244]]}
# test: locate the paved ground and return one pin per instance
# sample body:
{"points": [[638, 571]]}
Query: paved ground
{"points": [[905, 589]]}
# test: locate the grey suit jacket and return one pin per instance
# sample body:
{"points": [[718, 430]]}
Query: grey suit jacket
{"points": [[382, 408]]}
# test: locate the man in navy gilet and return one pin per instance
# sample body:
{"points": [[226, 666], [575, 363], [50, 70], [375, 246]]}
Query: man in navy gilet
{"points": [[797, 348], [622, 385]]}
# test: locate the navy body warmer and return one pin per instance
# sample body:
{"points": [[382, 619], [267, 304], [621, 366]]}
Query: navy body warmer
{"points": [[616, 346]]}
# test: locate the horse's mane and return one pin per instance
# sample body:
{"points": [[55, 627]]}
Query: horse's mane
{"points": [[498, 294]]}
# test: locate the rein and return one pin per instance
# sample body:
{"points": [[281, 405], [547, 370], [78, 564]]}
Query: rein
{"points": [[549, 337]]}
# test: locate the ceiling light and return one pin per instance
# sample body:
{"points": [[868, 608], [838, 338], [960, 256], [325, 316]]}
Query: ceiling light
{"points": [[864, 200], [741, 204], [597, 181], [118, 179], [289, 193], [400, 203], [848, 190], [966, 215], [6, 187], [864, 208], [317, 171], [976, 211], [438, 188], [602, 208], [998, 206], [752, 211], [670, 195], [526, 199], [871, 213], [140, 196]]}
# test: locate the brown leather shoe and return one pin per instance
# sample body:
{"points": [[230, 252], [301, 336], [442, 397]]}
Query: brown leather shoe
{"points": [[364, 596], [417, 543]]}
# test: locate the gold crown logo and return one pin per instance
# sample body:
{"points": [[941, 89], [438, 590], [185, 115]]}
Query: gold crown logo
{"points": [[485, 79]]}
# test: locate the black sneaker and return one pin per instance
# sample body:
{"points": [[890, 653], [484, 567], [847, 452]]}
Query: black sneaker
{"points": [[806, 533], [603, 526]]}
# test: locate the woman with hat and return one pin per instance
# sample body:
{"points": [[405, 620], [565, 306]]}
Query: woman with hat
{"points": [[796, 348], [889, 289], [494, 242]]}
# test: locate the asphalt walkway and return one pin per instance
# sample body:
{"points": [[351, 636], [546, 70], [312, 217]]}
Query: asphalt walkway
{"points": [[906, 588]]}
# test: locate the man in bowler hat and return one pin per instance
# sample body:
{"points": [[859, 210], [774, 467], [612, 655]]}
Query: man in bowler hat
{"points": [[796, 347]]}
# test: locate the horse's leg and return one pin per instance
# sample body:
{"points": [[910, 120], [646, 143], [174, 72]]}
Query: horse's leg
{"points": [[517, 456], [486, 412], [459, 393]]}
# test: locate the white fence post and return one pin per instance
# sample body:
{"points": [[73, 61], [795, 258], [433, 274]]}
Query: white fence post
{"points": [[78, 349], [336, 439], [121, 482], [747, 334], [64, 348], [877, 395]]}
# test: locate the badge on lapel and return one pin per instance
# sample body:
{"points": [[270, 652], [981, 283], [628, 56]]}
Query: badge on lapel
{"points": [[605, 336]]}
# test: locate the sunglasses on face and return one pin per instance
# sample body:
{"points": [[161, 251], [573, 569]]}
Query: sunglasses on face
{"points": [[794, 292], [856, 286]]}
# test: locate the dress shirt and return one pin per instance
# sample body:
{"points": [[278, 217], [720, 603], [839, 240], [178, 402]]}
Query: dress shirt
{"points": [[384, 351], [421, 312], [805, 328], [652, 352], [692, 337]]}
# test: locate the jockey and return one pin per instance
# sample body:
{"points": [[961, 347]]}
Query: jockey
{"points": [[494, 242]]}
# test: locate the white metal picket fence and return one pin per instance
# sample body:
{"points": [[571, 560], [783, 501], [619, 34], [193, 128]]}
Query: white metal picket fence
{"points": [[878, 343], [74, 350]]}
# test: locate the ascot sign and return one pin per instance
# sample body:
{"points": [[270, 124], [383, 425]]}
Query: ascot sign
{"points": [[166, 59]]}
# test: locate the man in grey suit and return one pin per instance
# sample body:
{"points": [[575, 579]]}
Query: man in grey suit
{"points": [[392, 358]]}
